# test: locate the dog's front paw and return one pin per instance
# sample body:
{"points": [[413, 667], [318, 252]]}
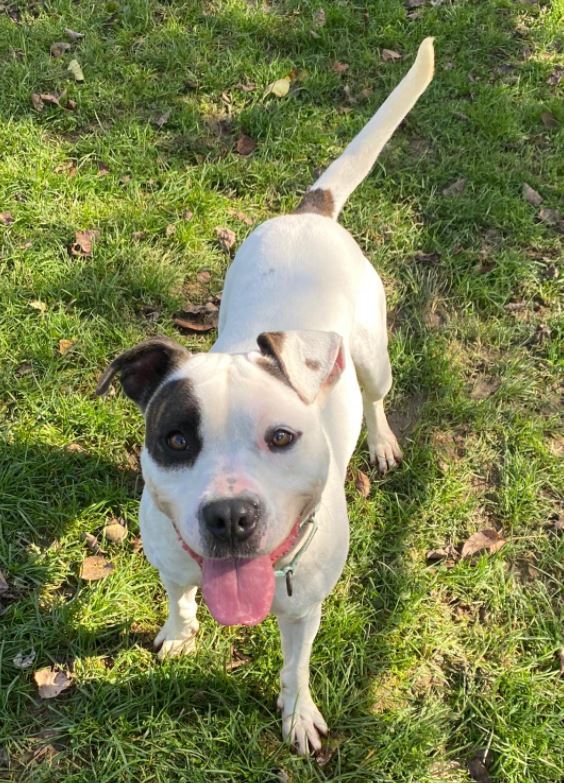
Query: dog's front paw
{"points": [[171, 643], [303, 726], [384, 450]]}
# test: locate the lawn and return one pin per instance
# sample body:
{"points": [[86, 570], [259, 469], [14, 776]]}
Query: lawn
{"points": [[424, 661]]}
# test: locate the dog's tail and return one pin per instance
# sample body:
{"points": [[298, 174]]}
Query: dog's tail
{"points": [[329, 193]]}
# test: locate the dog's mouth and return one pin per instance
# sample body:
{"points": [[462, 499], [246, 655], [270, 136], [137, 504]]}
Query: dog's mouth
{"points": [[240, 590]]}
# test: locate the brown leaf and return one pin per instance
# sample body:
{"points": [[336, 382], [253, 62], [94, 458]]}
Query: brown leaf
{"points": [[236, 213], [6, 218], [248, 87], [83, 242], [389, 55], [51, 682], [549, 120], [549, 216], [340, 67], [478, 770], [488, 540], [50, 98], [59, 48], [74, 36], [170, 230], [238, 659], [245, 145], [447, 553], [92, 543], [3, 583], [36, 101], [138, 235], [71, 104], [362, 483], [65, 346], [192, 326], [187, 215], [203, 277], [103, 170], [531, 195], [67, 167], [455, 188], [115, 531], [94, 568], [225, 238]]}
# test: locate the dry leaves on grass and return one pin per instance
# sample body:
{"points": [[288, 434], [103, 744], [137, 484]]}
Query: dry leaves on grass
{"points": [[24, 660], [95, 568], [51, 682], [362, 483], [340, 67], [200, 318], [6, 218], [455, 188], [162, 119], [73, 35], [225, 238], [448, 555], [65, 346], [280, 88], [488, 540], [37, 304], [478, 767], [531, 195], [549, 216], [245, 145], [38, 100], [116, 530], [83, 242], [59, 48], [76, 71], [92, 543], [389, 55]]}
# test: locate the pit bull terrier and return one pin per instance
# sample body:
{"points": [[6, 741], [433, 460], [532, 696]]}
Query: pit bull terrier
{"points": [[247, 446]]}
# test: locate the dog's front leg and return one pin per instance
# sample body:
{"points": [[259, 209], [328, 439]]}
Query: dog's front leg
{"points": [[302, 723], [178, 634]]}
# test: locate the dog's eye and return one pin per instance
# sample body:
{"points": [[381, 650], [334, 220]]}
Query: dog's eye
{"points": [[280, 438], [176, 441]]}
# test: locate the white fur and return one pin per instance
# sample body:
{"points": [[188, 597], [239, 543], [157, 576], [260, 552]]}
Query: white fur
{"points": [[297, 272]]}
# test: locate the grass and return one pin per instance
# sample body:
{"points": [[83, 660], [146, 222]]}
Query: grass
{"points": [[417, 665]]}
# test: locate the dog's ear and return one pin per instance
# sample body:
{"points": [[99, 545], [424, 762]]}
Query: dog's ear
{"points": [[309, 361], [143, 367]]}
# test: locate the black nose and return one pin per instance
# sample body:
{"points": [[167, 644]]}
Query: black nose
{"points": [[231, 519]]}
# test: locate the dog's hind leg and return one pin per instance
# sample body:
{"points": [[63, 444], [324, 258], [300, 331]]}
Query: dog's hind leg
{"points": [[302, 723], [178, 634], [369, 348]]}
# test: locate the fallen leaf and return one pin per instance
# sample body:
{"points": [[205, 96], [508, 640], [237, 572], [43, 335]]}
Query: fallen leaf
{"points": [[531, 195], [549, 216], [75, 70], [51, 682], [65, 346], [83, 242], [94, 568], [187, 215], [36, 101], [3, 583], [324, 755], [478, 770], [319, 18], [488, 540], [484, 388], [389, 55], [225, 238], [248, 87], [340, 67], [238, 659], [115, 531], [38, 305], [59, 48], [245, 145], [136, 545], [170, 230], [92, 543], [74, 36], [279, 88], [24, 660], [103, 170], [203, 277], [71, 104], [236, 213], [138, 235], [202, 318], [549, 120], [455, 188], [163, 119], [362, 483], [67, 167], [543, 332], [50, 98], [447, 553], [6, 218]]}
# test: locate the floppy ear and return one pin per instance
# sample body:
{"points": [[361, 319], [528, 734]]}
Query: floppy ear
{"points": [[308, 360], [143, 367]]}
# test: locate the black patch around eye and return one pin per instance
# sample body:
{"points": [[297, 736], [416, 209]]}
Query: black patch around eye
{"points": [[174, 408]]}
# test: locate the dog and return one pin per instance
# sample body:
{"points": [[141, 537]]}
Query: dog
{"points": [[247, 446]]}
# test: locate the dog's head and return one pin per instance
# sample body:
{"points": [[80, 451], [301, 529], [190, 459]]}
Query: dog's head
{"points": [[235, 454]]}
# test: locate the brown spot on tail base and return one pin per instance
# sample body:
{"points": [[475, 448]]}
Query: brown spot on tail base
{"points": [[318, 201]]}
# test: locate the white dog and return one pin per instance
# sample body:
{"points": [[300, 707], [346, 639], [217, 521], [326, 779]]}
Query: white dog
{"points": [[246, 450]]}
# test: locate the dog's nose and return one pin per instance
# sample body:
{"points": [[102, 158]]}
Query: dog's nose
{"points": [[231, 520]]}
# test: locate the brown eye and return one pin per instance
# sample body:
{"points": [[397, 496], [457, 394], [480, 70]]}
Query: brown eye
{"points": [[280, 438], [176, 441]]}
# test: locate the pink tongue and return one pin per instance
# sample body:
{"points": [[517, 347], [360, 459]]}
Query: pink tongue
{"points": [[238, 591]]}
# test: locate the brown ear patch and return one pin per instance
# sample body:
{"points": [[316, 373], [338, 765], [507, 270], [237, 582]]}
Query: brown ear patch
{"points": [[318, 201]]}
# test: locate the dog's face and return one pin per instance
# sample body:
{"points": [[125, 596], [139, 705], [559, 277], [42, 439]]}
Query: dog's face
{"points": [[235, 454]]}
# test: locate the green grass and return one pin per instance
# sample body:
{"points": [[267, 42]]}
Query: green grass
{"points": [[417, 665]]}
